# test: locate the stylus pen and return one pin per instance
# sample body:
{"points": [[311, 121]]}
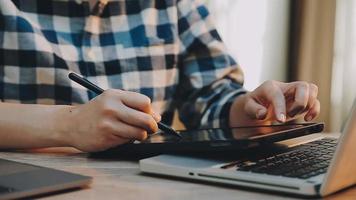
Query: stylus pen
{"points": [[91, 86]]}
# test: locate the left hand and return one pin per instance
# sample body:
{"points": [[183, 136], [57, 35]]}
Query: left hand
{"points": [[275, 101]]}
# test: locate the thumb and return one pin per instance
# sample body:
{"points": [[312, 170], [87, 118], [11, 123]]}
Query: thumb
{"points": [[255, 110]]}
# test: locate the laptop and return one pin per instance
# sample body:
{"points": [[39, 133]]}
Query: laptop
{"points": [[314, 168], [18, 180]]}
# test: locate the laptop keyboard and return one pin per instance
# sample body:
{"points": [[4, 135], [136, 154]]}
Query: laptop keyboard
{"points": [[306, 160]]}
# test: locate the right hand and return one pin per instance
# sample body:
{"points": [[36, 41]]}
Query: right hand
{"points": [[112, 118], [275, 101]]}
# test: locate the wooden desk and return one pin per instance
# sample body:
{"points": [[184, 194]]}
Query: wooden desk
{"points": [[117, 179]]}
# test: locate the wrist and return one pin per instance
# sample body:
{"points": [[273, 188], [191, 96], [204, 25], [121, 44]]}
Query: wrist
{"points": [[236, 111], [62, 125], [238, 115]]}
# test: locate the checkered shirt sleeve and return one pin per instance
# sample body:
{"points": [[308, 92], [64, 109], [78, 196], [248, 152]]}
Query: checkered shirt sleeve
{"points": [[210, 79]]}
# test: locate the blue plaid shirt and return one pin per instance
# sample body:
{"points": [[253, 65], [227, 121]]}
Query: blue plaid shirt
{"points": [[168, 50]]}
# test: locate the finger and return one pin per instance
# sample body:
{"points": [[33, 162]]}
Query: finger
{"points": [[137, 118], [313, 95], [301, 98], [115, 140], [137, 101], [255, 110], [140, 102], [313, 111], [275, 96], [156, 116], [105, 141], [127, 131], [134, 100]]}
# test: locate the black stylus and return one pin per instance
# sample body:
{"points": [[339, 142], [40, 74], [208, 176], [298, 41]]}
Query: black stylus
{"points": [[91, 86]]}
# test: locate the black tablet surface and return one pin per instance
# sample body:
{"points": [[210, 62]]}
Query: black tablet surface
{"points": [[217, 139]]}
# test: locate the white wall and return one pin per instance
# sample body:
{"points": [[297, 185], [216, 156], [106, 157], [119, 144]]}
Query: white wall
{"points": [[256, 34], [344, 68]]}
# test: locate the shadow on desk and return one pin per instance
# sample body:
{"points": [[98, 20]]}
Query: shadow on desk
{"points": [[46, 195]]}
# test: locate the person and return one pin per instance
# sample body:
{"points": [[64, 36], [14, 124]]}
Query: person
{"points": [[152, 56]]}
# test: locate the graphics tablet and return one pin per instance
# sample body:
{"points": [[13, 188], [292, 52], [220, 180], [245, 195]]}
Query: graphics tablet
{"points": [[217, 139]]}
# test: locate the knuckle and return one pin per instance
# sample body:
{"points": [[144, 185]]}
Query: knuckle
{"points": [[107, 93], [146, 100], [274, 83], [303, 85], [105, 126], [272, 88], [271, 83], [108, 110]]}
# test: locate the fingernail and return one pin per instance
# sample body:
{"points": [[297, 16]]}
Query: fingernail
{"points": [[260, 114], [282, 117], [309, 118]]}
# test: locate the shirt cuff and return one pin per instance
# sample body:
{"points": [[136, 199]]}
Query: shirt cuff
{"points": [[218, 115]]}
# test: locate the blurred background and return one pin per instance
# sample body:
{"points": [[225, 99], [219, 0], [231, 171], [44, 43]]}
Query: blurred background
{"points": [[287, 40]]}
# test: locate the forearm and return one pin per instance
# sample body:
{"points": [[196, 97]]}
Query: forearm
{"points": [[32, 126]]}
